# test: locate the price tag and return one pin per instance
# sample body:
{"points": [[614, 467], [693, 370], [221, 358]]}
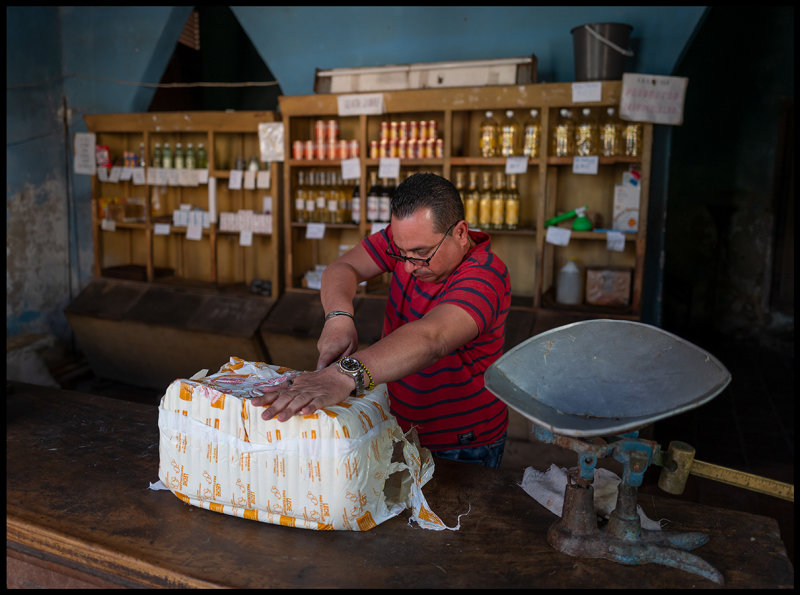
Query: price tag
{"points": [[194, 232], [615, 241], [108, 225], [558, 236], [202, 176], [161, 229], [249, 180], [586, 92], [83, 157], [245, 238], [585, 165], [172, 176], [102, 174], [263, 179], [378, 227], [235, 179], [186, 177], [370, 104], [389, 167], [351, 168], [315, 231], [126, 174], [114, 174], [516, 165], [245, 218], [138, 176]]}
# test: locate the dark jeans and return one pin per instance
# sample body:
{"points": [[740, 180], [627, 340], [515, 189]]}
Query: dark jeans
{"points": [[488, 455]]}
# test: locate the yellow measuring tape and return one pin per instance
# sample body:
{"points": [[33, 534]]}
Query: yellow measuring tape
{"points": [[755, 483]]}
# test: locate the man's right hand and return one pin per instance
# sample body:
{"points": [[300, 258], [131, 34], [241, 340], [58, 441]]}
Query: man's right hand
{"points": [[338, 339]]}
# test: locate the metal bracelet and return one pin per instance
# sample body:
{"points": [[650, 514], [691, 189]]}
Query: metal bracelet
{"points": [[330, 315]]}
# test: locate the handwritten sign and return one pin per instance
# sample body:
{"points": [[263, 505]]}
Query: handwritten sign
{"points": [[586, 92], [389, 167], [516, 165], [585, 165], [315, 231], [83, 157], [653, 98], [370, 104], [351, 168], [558, 236]]}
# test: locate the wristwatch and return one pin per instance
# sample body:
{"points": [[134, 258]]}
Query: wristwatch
{"points": [[353, 368]]}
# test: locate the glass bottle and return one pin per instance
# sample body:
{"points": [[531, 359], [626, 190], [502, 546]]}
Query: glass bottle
{"points": [[372, 197], [459, 184], [344, 199], [489, 131], [563, 135], [586, 134], [300, 199], [532, 134], [609, 133], [512, 203], [471, 200], [253, 164], [485, 201], [509, 135], [632, 139], [142, 160], [311, 200], [202, 157], [320, 197], [156, 162], [498, 200], [355, 204], [191, 162], [331, 198], [166, 157], [179, 156], [385, 202]]}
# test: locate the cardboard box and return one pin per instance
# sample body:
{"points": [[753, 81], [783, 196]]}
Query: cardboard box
{"points": [[608, 286]]}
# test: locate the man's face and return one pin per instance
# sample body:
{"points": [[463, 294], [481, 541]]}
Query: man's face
{"points": [[415, 237]]}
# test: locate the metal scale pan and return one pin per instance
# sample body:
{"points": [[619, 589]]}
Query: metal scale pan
{"points": [[604, 377]]}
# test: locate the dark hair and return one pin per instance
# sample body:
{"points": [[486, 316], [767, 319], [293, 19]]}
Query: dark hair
{"points": [[428, 191]]}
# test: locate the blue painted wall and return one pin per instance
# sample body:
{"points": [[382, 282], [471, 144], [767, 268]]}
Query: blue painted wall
{"points": [[64, 62]]}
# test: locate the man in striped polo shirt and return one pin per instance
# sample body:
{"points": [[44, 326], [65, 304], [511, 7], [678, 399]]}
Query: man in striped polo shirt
{"points": [[444, 325]]}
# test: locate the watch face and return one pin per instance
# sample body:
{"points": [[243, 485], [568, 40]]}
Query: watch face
{"points": [[350, 364]]}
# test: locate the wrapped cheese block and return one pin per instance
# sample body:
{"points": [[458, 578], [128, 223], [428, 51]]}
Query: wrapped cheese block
{"points": [[348, 466]]}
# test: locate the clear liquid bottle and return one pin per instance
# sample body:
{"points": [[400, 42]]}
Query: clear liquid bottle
{"points": [[632, 139], [531, 135], [331, 199], [300, 199], [344, 199], [509, 136], [563, 135], [320, 197], [471, 200], [179, 156], [610, 133], [202, 157], [499, 200], [586, 134], [166, 157], [191, 162], [485, 201], [310, 198], [373, 197], [512, 203], [489, 132], [156, 162], [253, 164], [569, 286]]}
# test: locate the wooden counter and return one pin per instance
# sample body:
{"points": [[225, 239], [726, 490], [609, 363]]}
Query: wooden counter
{"points": [[79, 512]]}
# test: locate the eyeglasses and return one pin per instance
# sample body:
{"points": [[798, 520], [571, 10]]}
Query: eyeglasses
{"points": [[420, 262]]}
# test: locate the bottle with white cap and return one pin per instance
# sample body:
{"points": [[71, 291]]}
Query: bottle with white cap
{"points": [[569, 287]]}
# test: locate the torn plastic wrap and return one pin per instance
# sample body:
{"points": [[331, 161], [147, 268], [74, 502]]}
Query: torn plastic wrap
{"points": [[345, 467]]}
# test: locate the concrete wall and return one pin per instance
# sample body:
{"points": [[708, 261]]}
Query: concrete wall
{"points": [[64, 62]]}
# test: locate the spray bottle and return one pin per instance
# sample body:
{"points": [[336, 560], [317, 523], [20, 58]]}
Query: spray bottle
{"points": [[581, 223]]}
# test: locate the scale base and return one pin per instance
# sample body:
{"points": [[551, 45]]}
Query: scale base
{"points": [[623, 540]]}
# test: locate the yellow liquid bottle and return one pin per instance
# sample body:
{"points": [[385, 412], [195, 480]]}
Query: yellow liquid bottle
{"points": [[512, 203], [586, 134], [564, 135], [610, 133], [531, 135], [499, 201], [489, 132], [485, 201], [471, 201], [632, 139], [509, 135]]}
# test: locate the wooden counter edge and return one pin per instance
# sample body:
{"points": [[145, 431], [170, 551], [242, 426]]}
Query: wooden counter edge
{"points": [[96, 557]]}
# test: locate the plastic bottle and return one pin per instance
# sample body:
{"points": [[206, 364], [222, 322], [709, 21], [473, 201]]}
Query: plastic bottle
{"points": [[610, 133], [564, 135], [509, 136], [191, 162], [300, 199], [569, 287], [179, 156], [142, 160], [471, 200], [253, 164], [632, 139], [156, 162], [485, 201], [489, 131], [499, 201], [202, 157], [310, 198], [586, 134], [531, 135], [512, 203], [166, 157]]}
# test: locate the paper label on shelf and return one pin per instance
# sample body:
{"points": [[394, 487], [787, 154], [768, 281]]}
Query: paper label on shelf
{"points": [[266, 203], [102, 174], [172, 176], [585, 165], [370, 104], [114, 174], [227, 221], [263, 179], [516, 165], [652, 98], [249, 180], [351, 168], [108, 225], [83, 154], [187, 177], [245, 238], [389, 167], [270, 141], [315, 231], [161, 229], [202, 176], [126, 174], [235, 179], [615, 241], [194, 232], [138, 176], [585, 92], [378, 227], [558, 236]]}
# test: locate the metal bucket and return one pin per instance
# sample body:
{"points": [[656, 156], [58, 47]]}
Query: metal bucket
{"points": [[600, 51]]}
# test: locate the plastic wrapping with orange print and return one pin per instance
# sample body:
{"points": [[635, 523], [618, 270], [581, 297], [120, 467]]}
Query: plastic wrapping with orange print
{"points": [[346, 467]]}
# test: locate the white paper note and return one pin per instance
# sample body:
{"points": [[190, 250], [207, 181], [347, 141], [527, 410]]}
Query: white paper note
{"points": [[389, 167], [249, 180], [351, 168], [516, 165], [558, 236], [585, 165], [245, 238], [235, 179], [194, 232], [83, 155], [615, 241], [138, 176], [315, 231], [161, 229], [108, 225], [586, 92], [263, 179]]}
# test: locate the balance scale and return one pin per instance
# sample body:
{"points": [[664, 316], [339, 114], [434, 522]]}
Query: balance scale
{"points": [[609, 378]]}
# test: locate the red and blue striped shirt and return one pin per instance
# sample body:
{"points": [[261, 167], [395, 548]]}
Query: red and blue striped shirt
{"points": [[448, 402]]}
